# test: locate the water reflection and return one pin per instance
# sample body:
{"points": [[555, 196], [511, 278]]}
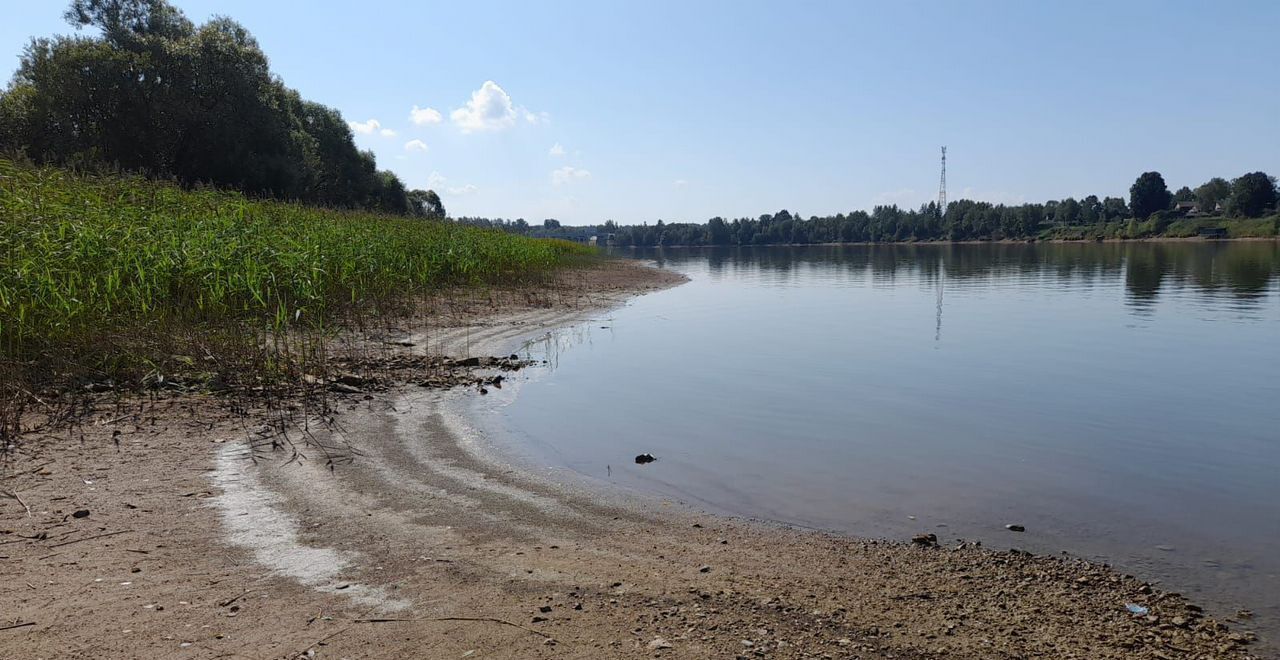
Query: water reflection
{"points": [[1118, 399], [1246, 270]]}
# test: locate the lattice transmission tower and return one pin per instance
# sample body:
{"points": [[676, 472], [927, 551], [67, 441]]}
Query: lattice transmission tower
{"points": [[942, 187]]}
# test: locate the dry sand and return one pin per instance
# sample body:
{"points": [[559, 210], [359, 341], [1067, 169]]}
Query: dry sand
{"points": [[201, 541]]}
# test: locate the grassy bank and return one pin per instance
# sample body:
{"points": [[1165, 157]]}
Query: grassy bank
{"points": [[115, 278], [1166, 228]]}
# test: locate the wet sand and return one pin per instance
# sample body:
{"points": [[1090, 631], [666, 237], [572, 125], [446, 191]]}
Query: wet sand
{"points": [[201, 541]]}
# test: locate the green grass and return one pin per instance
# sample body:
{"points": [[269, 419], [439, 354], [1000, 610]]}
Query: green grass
{"points": [[92, 267], [1180, 228]]}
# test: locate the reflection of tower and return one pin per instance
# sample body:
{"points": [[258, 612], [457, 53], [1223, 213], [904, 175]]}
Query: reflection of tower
{"points": [[937, 329], [942, 187]]}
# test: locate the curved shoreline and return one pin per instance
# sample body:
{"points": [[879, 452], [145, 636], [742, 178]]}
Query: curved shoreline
{"points": [[489, 558]]}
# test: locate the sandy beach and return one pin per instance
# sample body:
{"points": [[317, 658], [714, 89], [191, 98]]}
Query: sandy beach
{"points": [[177, 527]]}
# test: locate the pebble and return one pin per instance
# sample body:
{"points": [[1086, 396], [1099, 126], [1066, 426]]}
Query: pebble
{"points": [[1015, 528], [659, 643]]}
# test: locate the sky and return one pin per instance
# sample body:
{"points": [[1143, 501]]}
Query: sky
{"points": [[639, 111]]}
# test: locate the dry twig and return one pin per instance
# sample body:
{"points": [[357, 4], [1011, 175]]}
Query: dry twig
{"points": [[14, 495], [457, 618]]}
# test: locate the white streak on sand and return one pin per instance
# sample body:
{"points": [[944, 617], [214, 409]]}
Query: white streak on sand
{"points": [[254, 520]]}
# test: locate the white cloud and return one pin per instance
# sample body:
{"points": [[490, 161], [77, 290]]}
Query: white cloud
{"points": [[424, 116], [438, 182], [491, 109], [386, 132], [556, 150], [365, 128], [568, 174], [415, 145], [679, 183]]}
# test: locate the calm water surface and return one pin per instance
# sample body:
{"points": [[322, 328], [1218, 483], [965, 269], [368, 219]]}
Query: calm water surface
{"points": [[1120, 401]]}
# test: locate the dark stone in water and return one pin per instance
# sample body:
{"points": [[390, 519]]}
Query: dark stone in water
{"points": [[926, 540], [1015, 528], [645, 458]]}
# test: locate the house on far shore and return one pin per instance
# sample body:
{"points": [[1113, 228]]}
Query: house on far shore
{"points": [[1187, 209], [601, 239]]}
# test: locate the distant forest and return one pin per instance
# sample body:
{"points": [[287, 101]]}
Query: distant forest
{"points": [[156, 94], [1240, 208]]}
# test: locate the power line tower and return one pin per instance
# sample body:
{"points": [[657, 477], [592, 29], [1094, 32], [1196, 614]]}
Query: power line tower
{"points": [[942, 187]]}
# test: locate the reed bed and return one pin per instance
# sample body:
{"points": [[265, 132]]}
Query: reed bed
{"points": [[108, 277]]}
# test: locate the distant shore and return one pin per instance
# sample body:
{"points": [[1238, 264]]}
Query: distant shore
{"points": [[1003, 241], [397, 532]]}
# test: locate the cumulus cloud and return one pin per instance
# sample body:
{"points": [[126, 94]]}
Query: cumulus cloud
{"points": [[365, 128], [439, 182], [415, 145], [556, 150], [491, 109], [425, 116], [568, 174], [386, 132]]}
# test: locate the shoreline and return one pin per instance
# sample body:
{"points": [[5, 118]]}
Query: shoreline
{"points": [[427, 543], [1003, 241]]}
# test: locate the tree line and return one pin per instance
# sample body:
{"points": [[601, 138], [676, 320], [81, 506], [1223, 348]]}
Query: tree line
{"points": [[154, 93], [1150, 211]]}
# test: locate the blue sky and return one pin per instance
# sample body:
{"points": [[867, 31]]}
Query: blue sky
{"points": [[685, 110]]}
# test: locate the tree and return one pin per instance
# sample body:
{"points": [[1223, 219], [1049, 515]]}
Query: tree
{"points": [[426, 203], [1114, 208], [717, 231], [1252, 195], [1212, 193], [156, 94], [1067, 212], [1184, 194], [1148, 195], [1091, 210], [550, 223]]}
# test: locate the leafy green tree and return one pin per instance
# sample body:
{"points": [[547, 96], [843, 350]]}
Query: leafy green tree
{"points": [[1148, 195], [426, 203], [1114, 208], [153, 93], [1184, 194], [1213, 192], [1067, 212], [717, 231], [1252, 195], [1091, 210]]}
